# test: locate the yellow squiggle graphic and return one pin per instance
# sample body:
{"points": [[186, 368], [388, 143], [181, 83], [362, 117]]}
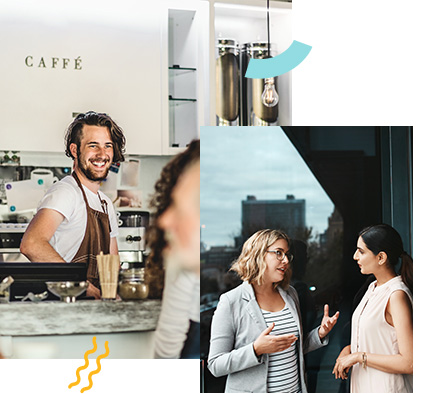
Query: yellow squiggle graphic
{"points": [[97, 370], [86, 358]]}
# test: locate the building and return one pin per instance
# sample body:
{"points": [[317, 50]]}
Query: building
{"points": [[288, 215]]}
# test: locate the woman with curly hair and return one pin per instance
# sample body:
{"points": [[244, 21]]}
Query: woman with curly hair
{"points": [[160, 201], [178, 330]]}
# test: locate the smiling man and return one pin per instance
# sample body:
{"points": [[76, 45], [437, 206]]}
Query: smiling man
{"points": [[74, 220]]}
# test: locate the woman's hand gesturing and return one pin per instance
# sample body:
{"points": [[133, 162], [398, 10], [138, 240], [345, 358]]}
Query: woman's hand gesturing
{"points": [[327, 322], [267, 343]]}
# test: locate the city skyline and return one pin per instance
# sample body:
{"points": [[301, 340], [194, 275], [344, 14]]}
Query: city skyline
{"points": [[258, 161]]}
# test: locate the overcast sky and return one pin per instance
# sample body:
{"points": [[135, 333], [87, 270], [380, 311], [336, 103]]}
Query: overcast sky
{"points": [[260, 161]]}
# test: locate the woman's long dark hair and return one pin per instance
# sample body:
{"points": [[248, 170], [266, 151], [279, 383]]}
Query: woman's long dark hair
{"points": [[384, 238]]}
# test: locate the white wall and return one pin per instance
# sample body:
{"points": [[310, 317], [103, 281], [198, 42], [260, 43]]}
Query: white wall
{"points": [[94, 58]]}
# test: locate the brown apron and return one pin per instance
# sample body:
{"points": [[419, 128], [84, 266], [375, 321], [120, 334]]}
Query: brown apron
{"points": [[96, 238]]}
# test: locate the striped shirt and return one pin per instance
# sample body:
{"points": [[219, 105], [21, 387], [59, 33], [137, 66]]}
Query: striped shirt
{"points": [[283, 374]]}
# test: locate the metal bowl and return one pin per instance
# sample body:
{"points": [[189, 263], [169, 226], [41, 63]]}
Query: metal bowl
{"points": [[67, 291]]}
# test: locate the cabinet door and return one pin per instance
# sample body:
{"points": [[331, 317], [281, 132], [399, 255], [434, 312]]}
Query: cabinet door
{"points": [[53, 68], [185, 35]]}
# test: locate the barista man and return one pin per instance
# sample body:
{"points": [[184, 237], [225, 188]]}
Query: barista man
{"points": [[74, 220]]}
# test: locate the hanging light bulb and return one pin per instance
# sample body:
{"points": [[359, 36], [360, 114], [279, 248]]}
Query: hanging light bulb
{"points": [[270, 96]]}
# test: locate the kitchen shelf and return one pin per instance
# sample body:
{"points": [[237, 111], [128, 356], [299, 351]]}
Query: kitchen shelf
{"points": [[181, 100], [188, 69], [183, 77], [176, 72], [177, 67]]}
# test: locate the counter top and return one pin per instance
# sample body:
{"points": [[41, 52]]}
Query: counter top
{"points": [[80, 317]]}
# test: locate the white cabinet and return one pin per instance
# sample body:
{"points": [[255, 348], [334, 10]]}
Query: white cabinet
{"points": [[111, 59], [185, 34], [74, 62]]}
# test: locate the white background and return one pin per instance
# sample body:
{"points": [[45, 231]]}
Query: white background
{"points": [[116, 376], [376, 63], [372, 63]]}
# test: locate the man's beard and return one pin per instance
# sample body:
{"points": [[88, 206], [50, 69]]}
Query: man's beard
{"points": [[88, 172]]}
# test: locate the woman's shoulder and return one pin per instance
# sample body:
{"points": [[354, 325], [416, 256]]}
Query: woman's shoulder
{"points": [[397, 284], [400, 305], [241, 294], [399, 294], [235, 293]]}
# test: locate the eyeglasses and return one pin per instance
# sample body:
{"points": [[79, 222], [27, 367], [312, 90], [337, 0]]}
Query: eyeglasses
{"points": [[280, 255]]}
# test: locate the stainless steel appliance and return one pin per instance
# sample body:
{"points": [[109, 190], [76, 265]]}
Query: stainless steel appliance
{"points": [[253, 112], [131, 238], [134, 218], [227, 82], [10, 239]]}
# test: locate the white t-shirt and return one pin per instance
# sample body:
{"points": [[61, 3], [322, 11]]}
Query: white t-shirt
{"points": [[66, 197]]}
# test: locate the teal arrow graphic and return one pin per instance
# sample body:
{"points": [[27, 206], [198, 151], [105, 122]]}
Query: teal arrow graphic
{"points": [[280, 64]]}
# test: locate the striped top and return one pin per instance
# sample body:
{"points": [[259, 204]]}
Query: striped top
{"points": [[283, 375]]}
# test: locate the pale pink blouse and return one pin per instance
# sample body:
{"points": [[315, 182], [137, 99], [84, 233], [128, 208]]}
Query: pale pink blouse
{"points": [[371, 333]]}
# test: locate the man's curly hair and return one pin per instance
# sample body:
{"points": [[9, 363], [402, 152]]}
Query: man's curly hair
{"points": [[74, 133], [159, 203]]}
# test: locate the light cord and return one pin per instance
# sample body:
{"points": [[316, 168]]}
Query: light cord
{"points": [[268, 30]]}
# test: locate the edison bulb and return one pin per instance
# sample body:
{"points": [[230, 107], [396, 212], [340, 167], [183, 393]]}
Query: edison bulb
{"points": [[270, 96]]}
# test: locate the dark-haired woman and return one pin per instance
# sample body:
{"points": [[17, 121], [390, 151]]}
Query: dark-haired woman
{"points": [[381, 349]]}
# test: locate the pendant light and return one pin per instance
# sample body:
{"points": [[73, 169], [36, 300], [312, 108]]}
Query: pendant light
{"points": [[270, 96]]}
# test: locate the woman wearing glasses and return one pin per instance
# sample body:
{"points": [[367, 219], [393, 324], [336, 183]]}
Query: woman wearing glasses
{"points": [[256, 334]]}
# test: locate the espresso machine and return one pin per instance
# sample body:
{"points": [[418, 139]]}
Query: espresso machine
{"points": [[132, 237]]}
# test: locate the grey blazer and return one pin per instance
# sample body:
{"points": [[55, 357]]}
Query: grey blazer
{"points": [[237, 323]]}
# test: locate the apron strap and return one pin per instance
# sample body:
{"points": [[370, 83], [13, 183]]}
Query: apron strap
{"points": [[103, 202], [80, 186]]}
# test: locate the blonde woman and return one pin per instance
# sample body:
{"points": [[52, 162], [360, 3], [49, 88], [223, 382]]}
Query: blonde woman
{"points": [[256, 334], [381, 350]]}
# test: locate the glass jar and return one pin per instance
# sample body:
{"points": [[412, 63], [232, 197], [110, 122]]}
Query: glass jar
{"points": [[4, 296], [227, 71], [255, 113], [132, 284]]}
